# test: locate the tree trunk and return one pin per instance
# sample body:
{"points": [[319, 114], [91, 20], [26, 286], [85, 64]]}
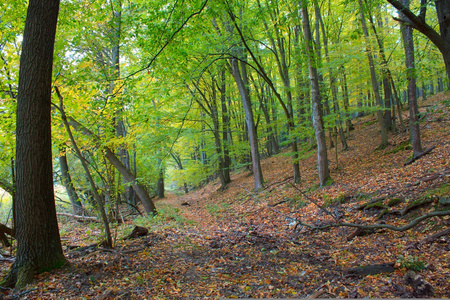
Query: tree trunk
{"points": [[262, 72], [249, 120], [99, 202], [160, 184], [407, 34], [68, 184], [38, 241], [386, 77], [348, 118], [333, 79], [127, 175], [225, 130], [279, 47], [322, 156], [443, 14], [442, 41], [373, 76]]}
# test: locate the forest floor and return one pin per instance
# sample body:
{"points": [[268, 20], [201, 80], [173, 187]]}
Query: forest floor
{"points": [[235, 243]]}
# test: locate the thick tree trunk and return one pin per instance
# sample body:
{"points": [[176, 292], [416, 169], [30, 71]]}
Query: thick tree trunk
{"points": [[38, 242], [443, 14]]}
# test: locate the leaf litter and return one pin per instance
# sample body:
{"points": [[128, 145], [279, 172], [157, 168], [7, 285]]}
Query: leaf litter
{"points": [[238, 244]]}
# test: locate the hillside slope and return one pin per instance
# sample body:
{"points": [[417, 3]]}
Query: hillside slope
{"points": [[235, 243]]}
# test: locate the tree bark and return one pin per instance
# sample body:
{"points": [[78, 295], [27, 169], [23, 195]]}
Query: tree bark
{"points": [[38, 241], [384, 139], [100, 204], [322, 156], [408, 43], [68, 184], [225, 130], [442, 40], [249, 120], [160, 183], [112, 158]]}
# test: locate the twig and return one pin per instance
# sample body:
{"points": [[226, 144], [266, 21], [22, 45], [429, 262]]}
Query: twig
{"points": [[21, 294], [77, 217], [253, 195], [317, 204], [278, 203], [279, 182]]}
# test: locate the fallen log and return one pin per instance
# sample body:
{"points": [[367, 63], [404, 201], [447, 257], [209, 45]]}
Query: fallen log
{"points": [[419, 156], [371, 269], [435, 236], [79, 218], [371, 202]]}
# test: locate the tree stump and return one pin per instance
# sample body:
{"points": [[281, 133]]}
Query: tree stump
{"points": [[137, 232]]}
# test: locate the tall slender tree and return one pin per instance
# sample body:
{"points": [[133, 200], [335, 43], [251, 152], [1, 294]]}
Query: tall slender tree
{"points": [[408, 43], [322, 156], [376, 90]]}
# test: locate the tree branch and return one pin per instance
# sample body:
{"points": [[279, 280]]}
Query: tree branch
{"points": [[168, 41], [419, 24]]}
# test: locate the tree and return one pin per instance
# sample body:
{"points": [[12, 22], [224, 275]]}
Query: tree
{"points": [[384, 139], [442, 40], [408, 43], [38, 242], [66, 180], [239, 75], [322, 157]]}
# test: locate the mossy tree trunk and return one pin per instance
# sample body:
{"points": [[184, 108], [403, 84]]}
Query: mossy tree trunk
{"points": [[38, 242]]}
